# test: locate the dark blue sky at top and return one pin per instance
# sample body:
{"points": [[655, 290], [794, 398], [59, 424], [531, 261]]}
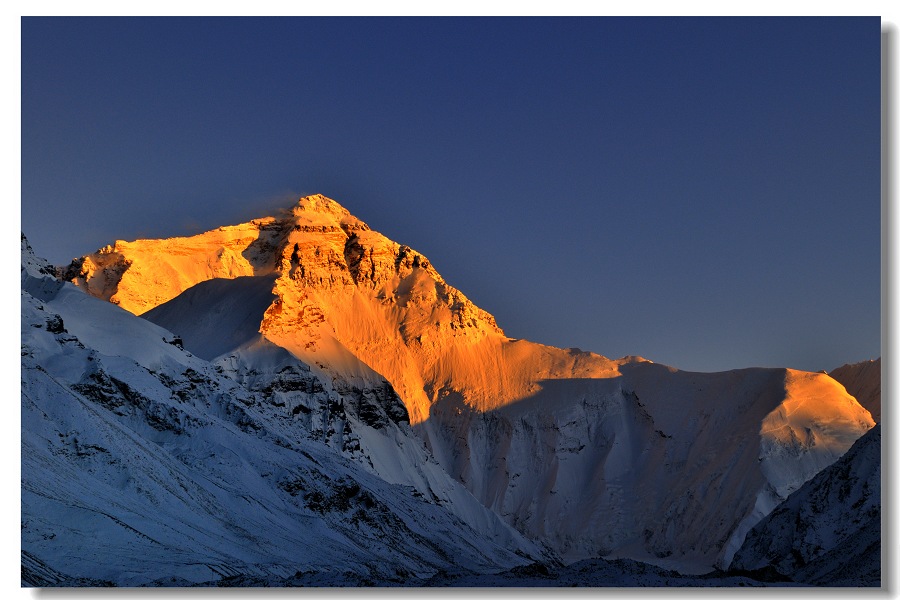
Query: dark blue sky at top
{"points": [[704, 193]]}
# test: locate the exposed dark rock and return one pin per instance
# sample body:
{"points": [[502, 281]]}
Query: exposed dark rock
{"points": [[55, 324]]}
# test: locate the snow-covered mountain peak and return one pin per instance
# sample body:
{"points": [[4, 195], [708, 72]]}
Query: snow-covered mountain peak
{"points": [[319, 207], [343, 296], [557, 442], [32, 265]]}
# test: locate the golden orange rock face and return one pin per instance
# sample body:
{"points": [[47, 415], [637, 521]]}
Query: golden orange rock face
{"points": [[143, 274], [343, 293]]}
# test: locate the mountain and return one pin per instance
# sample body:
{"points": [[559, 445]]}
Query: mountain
{"points": [[829, 531], [863, 381], [143, 464], [589, 456]]}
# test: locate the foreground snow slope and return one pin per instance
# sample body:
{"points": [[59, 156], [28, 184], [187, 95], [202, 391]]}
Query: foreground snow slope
{"points": [[142, 463], [558, 442]]}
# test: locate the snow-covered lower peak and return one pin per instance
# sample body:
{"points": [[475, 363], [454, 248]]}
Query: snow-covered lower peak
{"points": [[592, 456], [801, 430], [653, 464], [863, 381], [811, 428], [33, 266], [829, 531]]}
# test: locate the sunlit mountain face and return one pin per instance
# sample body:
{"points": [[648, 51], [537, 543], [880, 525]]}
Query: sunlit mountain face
{"points": [[353, 359]]}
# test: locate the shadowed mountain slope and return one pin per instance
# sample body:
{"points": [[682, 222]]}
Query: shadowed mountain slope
{"points": [[863, 381]]}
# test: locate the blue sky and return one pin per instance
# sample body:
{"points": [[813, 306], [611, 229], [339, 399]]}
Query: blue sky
{"points": [[704, 193]]}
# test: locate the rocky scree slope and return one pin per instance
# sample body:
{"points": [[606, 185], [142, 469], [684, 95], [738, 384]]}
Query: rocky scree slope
{"points": [[558, 443]]}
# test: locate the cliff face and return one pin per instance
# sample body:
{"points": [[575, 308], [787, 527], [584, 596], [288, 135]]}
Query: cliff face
{"points": [[561, 444]]}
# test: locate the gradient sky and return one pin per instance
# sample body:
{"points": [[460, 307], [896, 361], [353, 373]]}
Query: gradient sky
{"points": [[704, 193]]}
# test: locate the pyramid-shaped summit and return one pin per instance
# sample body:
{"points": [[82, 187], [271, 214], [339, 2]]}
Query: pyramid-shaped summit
{"points": [[338, 288]]}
